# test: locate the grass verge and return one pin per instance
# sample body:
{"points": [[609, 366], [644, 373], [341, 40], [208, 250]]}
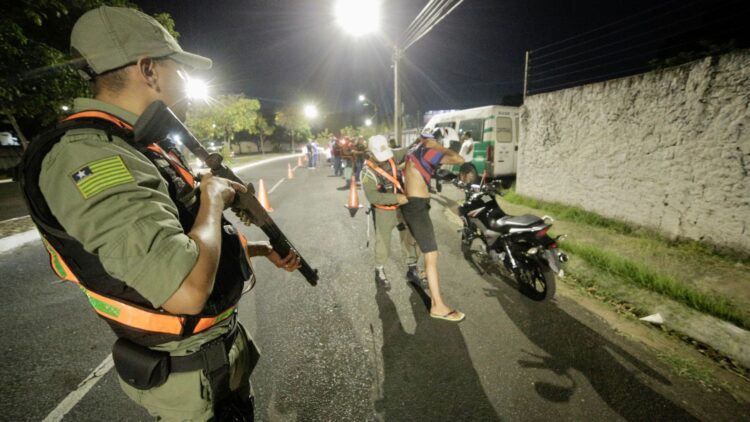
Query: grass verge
{"points": [[647, 278], [579, 215]]}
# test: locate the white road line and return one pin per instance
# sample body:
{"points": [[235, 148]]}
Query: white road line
{"points": [[7, 181], [270, 160], [276, 185], [76, 395], [13, 219]]}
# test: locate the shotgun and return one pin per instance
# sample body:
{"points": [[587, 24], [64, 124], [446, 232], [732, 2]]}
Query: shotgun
{"points": [[159, 122]]}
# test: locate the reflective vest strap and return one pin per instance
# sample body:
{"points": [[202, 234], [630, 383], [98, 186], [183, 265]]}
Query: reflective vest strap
{"points": [[206, 323], [393, 178], [385, 207], [132, 316], [425, 174], [147, 320], [58, 264], [100, 115], [186, 176]]}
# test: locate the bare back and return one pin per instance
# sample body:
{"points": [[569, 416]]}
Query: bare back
{"points": [[414, 183]]}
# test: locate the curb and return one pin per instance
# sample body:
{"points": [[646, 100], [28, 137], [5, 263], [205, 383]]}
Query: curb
{"points": [[11, 242]]}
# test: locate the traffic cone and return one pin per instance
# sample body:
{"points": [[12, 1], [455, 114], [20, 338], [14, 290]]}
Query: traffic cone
{"points": [[263, 196], [353, 204], [299, 161], [289, 172]]}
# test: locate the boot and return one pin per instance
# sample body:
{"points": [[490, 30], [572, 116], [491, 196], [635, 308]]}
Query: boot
{"points": [[414, 277], [381, 279]]}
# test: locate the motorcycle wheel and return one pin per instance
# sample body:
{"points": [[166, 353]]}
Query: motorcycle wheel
{"points": [[536, 281]]}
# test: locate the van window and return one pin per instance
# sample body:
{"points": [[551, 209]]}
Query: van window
{"points": [[504, 129], [451, 125], [473, 125]]}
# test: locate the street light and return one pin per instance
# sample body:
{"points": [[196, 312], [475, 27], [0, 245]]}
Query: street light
{"points": [[368, 122], [310, 111], [65, 108], [362, 98], [358, 17], [196, 89]]}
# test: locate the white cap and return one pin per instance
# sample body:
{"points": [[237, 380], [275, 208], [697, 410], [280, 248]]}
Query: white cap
{"points": [[378, 146]]}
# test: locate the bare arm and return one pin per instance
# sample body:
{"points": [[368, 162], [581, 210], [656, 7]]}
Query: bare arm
{"points": [[194, 291], [449, 156]]}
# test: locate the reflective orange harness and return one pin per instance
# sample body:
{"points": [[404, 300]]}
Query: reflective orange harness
{"points": [[150, 320], [393, 178]]}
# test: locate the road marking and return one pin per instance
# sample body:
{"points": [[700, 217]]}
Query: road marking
{"points": [[14, 219], [7, 181], [270, 160], [76, 395], [276, 185]]}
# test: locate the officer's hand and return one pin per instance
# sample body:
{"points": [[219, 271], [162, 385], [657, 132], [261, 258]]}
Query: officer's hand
{"points": [[401, 198], [213, 188], [290, 263]]}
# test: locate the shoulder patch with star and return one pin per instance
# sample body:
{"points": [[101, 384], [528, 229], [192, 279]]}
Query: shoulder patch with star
{"points": [[100, 175]]}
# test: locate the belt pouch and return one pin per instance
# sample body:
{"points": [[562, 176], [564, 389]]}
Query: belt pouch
{"points": [[139, 366]]}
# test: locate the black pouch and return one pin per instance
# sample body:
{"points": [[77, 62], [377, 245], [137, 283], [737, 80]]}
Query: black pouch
{"points": [[139, 366]]}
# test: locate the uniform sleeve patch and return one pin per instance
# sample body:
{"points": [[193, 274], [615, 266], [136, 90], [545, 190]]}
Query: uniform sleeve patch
{"points": [[100, 175]]}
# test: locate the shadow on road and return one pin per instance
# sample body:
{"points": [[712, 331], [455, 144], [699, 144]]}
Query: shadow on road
{"points": [[429, 375], [569, 346]]}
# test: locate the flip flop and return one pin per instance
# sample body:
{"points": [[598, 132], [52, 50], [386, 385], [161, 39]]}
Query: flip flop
{"points": [[452, 316]]}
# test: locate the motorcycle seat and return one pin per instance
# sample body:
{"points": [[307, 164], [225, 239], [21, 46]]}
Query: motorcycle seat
{"points": [[520, 221]]}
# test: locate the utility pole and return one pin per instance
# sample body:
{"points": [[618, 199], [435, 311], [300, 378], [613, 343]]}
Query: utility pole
{"points": [[396, 97], [525, 75]]}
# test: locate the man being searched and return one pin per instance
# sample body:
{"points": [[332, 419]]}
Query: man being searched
{"points": [[381, 181], [423, 157], [467, 147], [130, 225]]}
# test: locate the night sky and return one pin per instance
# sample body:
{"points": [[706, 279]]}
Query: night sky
{"points": [[287, 52]]}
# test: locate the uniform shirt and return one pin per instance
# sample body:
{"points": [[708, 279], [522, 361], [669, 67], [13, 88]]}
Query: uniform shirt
{"points": [[370, 181], [126, 218], [466, 152]]}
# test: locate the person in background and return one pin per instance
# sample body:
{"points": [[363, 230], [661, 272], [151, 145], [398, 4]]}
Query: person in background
{"points": [[381, 182], [467, 147], [359, 151], [336, 153]]}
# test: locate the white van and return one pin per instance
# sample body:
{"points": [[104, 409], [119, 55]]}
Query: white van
{"points": [[495, 130]]}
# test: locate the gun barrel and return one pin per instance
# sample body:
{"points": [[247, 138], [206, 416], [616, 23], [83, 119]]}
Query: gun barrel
{"points": [[159, 122]]}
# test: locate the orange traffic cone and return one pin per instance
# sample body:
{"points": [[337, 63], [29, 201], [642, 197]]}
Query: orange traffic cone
{"points": [[353, 205], [289, 172], [299, 161], [263, 196]]}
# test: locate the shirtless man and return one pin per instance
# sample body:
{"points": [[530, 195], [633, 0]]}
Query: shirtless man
{"points": [[424, 156]]}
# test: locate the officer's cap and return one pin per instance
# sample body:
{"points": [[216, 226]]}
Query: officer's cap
{"points": [[112, 37]]}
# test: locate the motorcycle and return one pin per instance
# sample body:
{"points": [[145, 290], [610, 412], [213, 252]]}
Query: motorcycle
{"points": [[520, 243]]}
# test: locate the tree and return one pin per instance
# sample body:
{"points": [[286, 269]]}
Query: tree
{"points": [[295, 123], [264, 129], [35, 78], [223, 118]]}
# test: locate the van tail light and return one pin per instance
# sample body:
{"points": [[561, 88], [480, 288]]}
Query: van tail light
{"points": [[490, 154]]}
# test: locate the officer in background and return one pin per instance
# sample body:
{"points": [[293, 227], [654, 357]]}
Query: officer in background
{"points": [[382, 183], [148, 246]]}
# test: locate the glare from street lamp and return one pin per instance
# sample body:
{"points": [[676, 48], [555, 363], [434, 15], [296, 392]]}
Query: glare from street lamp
{"points": [[361, 97], [310, 111], [65, 108], [368, 122], [358, 17], [195, 89]]}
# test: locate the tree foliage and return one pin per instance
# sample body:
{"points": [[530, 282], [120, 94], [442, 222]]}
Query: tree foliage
{"points": [[35, 79], [223, 118], [295, 124]]}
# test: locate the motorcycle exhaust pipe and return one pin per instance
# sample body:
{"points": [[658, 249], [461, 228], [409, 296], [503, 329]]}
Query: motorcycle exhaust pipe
{"points": [[562, 257]]}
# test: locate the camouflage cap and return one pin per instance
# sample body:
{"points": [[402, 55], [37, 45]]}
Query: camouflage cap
{"points": [[112, 37]]}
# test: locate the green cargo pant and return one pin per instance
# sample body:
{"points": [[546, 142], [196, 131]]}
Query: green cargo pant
{"points": [[385, 222], [186, 396]]}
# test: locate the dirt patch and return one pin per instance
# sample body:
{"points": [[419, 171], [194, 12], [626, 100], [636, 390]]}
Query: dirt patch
{"points": [[15, 226]]}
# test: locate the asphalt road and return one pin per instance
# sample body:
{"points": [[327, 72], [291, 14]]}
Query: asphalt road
{"points": [[347, 350]]}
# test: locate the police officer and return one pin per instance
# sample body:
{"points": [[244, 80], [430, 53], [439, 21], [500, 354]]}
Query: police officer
{"points": [[382, 183], [147, 244]]}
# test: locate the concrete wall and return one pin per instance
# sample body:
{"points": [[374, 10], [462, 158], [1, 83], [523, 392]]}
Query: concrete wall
{"points": [[669, 150]]}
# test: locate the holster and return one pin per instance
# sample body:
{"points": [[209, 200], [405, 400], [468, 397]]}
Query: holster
{"points": [[139, 366]]}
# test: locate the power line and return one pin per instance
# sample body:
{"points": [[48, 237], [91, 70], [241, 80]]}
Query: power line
{"points": [[429, 18], [425, 32], [417, 20]]}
